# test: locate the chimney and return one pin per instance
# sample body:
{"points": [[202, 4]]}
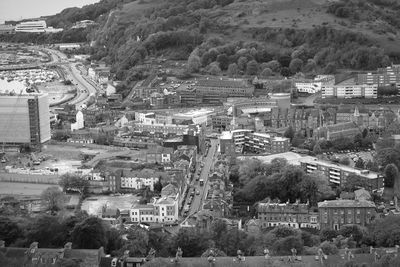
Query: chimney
{"points": [[2, 244]]}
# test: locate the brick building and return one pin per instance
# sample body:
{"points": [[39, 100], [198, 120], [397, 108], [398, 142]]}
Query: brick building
{"points": [[334, 214]]}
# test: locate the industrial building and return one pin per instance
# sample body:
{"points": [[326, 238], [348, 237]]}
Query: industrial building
{"points": [[24, 119]]}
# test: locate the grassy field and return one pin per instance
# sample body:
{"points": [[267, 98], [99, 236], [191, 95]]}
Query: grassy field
{"points": [[305, 261], [27, 189]]}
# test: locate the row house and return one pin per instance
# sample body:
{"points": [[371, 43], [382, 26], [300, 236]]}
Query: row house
{"points": [[139, 179], [296, 215]]}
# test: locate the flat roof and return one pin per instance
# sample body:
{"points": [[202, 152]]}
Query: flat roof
{"points": [[255, 110], [194, 113], [368, 174], [226, 135]]}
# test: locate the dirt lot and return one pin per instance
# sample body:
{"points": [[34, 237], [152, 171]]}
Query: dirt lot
{"points": [[7, 188]]}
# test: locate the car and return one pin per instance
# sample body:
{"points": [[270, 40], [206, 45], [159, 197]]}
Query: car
{"points": [[197, 192]]}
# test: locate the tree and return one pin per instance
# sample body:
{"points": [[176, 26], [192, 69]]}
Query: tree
{"points": [[138, 240], [354, 182], [283, 246], [345, 161], [328, 234], [89, 234], [285, 71], [289, 133], [360, 163], [274, 65], [391, 174], [330, 68], [158, 186], [191, 241], [72, 182], [47, 230], [194, 63], [9, 230], [214, 69], [295, 65], [53, 198], [386, 231], [310, 66], [315, 187], [329, 248], [265, 73], [233, 70], [242, 61], [223, 61], [317, 149], [252, 68]]}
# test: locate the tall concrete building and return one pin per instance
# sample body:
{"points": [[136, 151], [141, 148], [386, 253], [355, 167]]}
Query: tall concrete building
{"points": [[24, 119]]}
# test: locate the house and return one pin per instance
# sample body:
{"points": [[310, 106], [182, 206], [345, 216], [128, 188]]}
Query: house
{"points": [[161, 210], [334, 214], [296, 215], [139, 179]]}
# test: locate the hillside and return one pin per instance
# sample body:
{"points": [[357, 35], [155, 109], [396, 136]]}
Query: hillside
{"points": [[252, 37]]}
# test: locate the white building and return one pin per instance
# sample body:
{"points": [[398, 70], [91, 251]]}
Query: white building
{"points": [[161, 210], [80, 122], [308, 87], [138, 182], [31, 26], [110, 90], [350, 91]]}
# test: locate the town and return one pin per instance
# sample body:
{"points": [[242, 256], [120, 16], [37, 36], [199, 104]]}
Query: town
{"points": [[194, 164]]}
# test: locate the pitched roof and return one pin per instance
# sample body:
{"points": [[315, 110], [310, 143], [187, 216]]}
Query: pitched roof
{"points": [[346, 203]]}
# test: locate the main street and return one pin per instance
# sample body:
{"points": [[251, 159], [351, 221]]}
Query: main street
{"points": [[208, 162]]}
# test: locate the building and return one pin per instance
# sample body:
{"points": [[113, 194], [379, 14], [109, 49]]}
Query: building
{"points": [[334, 214], [229, 88], [294, 215], [139, 179], [160, 128], [336, 131], [226, 144], [162, 210], [311, 87], [6, 29], [213, 91], [221, 122], [389, 76], [350, 91], [31, 26], [24, 119], [35, 26], [337, 173], [247, 140], [266, 143]]}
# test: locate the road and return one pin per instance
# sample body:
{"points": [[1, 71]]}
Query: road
{"points": [[84, 88], [208, 161]]}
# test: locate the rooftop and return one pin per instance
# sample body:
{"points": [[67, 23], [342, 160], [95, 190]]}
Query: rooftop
{"points": [[222, 83], [346, 203], [362, 173]]}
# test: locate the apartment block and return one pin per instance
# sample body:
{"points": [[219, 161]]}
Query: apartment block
{"points": [[350, 91], [338, 173], [247, 140], [24, 119]]}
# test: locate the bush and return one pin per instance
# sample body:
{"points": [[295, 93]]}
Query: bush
{"points": [[329, 248]]}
